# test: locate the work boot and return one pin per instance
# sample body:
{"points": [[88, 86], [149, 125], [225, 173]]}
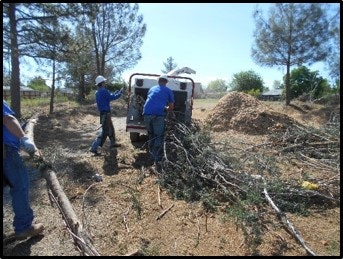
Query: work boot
{"points": [[149, 162], [33, 231], [158, 166], [95, 152], [115, 145]]}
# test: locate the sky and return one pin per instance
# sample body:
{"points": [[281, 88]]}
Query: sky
{"points": [[214, 39]]}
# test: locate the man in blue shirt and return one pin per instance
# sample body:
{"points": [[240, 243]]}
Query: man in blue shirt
{"points": [[16, 175], [103, 98], [160, 99]]}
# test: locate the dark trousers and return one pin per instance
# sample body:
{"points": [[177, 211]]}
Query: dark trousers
{"points": [[107, 130]]}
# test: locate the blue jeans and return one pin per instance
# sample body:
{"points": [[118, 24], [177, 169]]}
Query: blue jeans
{"points": [[17, 175], [155, 126], [107, 130]]}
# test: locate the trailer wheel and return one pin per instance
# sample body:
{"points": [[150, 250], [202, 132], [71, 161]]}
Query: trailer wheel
{"points": [[134, 136]]}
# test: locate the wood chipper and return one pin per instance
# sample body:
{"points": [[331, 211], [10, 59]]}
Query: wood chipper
{"points": [[139, 85]]}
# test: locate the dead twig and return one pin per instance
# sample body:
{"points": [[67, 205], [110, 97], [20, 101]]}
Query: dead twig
{"points": [[302, 145], [159, 196], [318, 164], [164, 212], [289, 224], [134, 253], [125, 219], [198, 233], [83, 203]]}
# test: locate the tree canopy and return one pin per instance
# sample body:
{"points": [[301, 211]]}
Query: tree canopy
{"points": [[247, 81], [304, 81], [293, 34], [39, 84], [217, 86], [333, 60], [169, 65], [113, 35]]}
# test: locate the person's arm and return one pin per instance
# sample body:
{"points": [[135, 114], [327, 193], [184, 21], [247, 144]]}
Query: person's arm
{"points": [[12, 124], [115, 95], [170, 106], [171, 102]]}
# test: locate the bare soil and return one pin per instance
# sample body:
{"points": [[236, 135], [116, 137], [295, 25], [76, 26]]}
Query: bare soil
{"points": [[124, 212]]}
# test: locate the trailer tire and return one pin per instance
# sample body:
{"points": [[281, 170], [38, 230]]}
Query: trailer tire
{"points": [[134, 136]]}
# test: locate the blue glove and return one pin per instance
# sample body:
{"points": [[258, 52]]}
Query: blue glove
{"points": [[28, 145]]}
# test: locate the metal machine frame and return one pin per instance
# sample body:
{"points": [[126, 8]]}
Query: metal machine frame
{"points": [[139, 85]]}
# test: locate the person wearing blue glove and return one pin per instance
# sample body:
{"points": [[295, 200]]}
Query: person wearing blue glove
{"points": [[16, 175], [103, 98]]}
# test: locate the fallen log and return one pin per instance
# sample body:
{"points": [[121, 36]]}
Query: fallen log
{"points": [[80, 236]]}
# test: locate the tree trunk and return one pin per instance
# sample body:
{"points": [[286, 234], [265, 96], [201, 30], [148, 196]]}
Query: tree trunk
{"points": [[15, 74], [52, 94], [288, 86]]}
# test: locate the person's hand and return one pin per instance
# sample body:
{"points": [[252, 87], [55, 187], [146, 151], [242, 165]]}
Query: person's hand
{"points": [[28, 145], [121, 90]]}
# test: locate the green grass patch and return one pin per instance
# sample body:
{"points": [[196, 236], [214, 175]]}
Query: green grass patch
{"points": [[205, 102]]}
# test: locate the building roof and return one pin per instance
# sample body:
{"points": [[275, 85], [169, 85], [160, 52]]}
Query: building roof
{"points": [[22, 88], [66, 90], [273, 92]]}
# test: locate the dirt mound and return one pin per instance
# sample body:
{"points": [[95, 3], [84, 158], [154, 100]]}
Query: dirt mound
{"points": [[246, 114]]}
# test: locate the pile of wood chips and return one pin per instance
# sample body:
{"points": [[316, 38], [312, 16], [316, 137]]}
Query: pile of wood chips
{"points": [[246, 114]]}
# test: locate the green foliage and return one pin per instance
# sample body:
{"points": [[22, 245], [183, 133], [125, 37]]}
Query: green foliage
{"points": [[209, 202], [169, 65], [116, 86], [293, 34], [149, 250], [277, 85], [287, 201], [80, 61], [246, 81], [39, 84], [185, 182], [333, 61], [117, 36], [247, 220], [336, 88], [77, 41], [304, 81], [254, 92], [294, 206], [306, 31], [333, 248], [254, 195], [218, 86], [136, 204], [29, 105]]}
